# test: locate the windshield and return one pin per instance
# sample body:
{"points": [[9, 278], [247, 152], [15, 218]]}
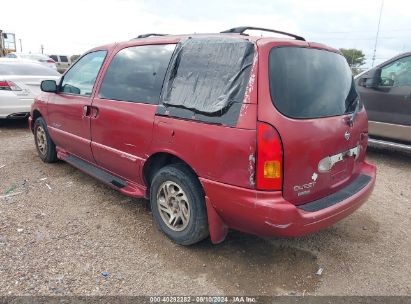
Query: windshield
{"points": [[310, 83]]}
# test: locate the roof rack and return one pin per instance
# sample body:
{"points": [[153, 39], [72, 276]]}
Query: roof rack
{"points": [[242, 29], [149, 35]]}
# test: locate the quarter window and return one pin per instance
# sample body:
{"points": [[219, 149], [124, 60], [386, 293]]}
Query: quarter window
{"points": [[80, 79], [136, 74]]}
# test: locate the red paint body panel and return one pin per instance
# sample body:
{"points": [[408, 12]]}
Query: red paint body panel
{"points": [[68, 126], [222, 154], [121, 136]]}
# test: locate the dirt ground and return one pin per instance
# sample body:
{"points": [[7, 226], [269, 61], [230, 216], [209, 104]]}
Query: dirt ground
{"points": [[66, 233]]}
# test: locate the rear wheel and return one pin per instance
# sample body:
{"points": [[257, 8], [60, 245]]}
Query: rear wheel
{"points": [[178, 204], [45, 146]]}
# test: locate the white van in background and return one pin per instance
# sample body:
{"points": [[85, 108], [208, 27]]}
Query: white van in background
{"points": [[63, 62]]}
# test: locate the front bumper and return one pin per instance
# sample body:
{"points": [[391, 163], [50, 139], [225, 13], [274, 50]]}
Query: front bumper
{"points": [[269, 214]]}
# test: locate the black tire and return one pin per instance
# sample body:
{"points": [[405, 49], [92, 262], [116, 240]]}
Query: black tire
{"points": [[196, 228], [44, 145]]}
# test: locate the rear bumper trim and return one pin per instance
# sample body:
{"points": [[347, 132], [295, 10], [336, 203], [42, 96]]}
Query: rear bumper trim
{"points": [[360, 182], [267, 213], [18, 115]]}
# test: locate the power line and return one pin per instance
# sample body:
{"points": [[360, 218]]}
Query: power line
{"points": [[378, 32]]}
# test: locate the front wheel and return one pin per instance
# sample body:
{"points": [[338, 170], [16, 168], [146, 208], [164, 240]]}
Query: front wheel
{"points": [[178, 204], [44, 145]]}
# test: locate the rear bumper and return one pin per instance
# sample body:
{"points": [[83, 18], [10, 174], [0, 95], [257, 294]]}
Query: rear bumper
{"points": [[15, 112], [12, 106], [269, 214]]}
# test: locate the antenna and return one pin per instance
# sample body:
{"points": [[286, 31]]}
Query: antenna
{"points": [[378, 32]]}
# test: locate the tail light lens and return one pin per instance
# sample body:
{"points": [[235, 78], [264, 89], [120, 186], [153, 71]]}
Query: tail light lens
{"points": [[8, 86], [47, 60], [269, 158]]}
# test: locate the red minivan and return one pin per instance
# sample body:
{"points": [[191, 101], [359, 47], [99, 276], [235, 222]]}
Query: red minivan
{"points": [[219, 131]]}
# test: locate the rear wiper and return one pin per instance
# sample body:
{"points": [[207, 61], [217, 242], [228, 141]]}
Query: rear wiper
{"points": [[356, 110]]}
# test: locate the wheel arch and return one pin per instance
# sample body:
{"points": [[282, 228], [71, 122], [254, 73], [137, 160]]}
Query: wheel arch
{"points": [[159, 160], [36, 114]]}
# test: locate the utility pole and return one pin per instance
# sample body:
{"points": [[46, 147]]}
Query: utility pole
{"points": [[21, 46], [378, 32], [42, 48]]}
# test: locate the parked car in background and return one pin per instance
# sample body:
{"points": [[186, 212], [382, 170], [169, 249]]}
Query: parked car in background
{"points": [[261, 135], [386, 93], [19, 84], [43, 59], [63, 62]]}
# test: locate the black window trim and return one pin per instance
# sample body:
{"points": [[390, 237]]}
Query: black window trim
{"points": [[131, 46], [95, 82], [271, 95]]}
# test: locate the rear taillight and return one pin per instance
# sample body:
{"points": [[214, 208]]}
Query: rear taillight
{"points": [[269, 174], [8, 86], [47, 60]]}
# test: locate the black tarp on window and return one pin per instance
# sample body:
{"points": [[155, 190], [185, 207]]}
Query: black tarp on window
{"points": [[208, 75]]}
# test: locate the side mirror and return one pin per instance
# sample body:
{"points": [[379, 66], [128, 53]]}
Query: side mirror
{"points": [[49, 86], [372, 80]]}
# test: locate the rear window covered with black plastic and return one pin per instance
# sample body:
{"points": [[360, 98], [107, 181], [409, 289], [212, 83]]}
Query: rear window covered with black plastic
{"points": [[209, 75], [310, 83]]}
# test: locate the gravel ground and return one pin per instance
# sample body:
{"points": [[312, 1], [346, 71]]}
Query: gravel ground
{"points": [[64, 233]]}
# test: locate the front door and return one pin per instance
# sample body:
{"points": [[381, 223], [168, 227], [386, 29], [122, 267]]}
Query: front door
{"points": [[69, 110]]}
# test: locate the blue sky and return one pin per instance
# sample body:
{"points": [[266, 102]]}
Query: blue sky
{"points": [[72, 27]]}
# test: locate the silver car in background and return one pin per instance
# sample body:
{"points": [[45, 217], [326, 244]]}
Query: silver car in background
{"points": [[19, 85], [41, 58]]}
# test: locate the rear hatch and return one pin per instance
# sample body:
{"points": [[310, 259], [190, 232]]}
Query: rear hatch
{"points": [[311, 102]]}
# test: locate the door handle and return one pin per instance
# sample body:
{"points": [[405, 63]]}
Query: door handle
{"points": [[86, 111], [90, 111], [94, 112]]}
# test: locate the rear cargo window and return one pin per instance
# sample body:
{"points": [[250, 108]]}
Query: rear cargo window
{"points": [[310, 83]]}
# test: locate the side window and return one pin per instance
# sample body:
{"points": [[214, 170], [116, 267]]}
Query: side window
{"points": [[81, 77], [397, 73], [63, 59], [54, 57], [11, 56], [137, 73]]}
